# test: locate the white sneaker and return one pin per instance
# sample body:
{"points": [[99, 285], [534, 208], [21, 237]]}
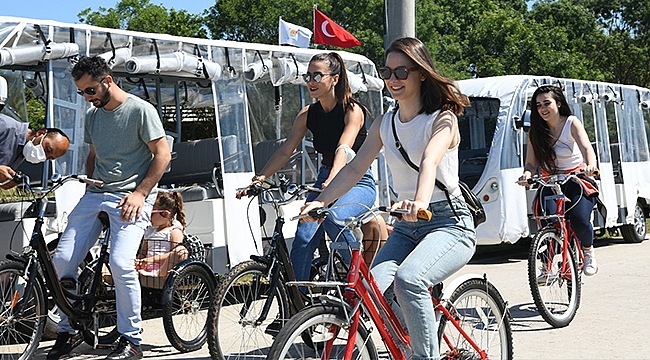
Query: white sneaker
{"points": [[590, 267], [543, 277]]}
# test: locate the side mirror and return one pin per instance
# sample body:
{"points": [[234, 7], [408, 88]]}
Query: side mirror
{"points": [[522, 122]]}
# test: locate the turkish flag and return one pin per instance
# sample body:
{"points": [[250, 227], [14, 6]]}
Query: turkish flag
{"points": [[328, 32]]}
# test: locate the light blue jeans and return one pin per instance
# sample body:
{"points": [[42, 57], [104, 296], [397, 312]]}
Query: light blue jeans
{"points": [[418, 255], [81, 234], [308, 234]]}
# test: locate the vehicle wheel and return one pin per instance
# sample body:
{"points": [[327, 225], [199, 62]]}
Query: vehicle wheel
{"points": [[556, 292], [236, 330], [20, 335], [309, 333], [482, 314], [106, 308], [186, 317], [635, 232]]}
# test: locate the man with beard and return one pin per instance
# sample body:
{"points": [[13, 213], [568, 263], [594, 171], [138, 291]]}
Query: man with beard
{"points": [[129, 153]]}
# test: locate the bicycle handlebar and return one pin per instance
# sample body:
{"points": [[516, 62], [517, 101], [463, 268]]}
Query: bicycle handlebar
{"points": [[550, 180], [58, 181]]}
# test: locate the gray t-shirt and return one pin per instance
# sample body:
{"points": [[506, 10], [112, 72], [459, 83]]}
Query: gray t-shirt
{"points": [[121, 137], [13, 135]]}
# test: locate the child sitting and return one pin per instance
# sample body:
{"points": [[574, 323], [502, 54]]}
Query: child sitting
{"points": [[161, 248]]}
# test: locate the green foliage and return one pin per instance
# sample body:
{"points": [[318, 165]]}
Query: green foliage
{"points": [[141, 15]]}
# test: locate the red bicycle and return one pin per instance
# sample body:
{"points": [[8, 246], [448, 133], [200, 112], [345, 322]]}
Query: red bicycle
{"points": [[473, 319], [555, 259]]}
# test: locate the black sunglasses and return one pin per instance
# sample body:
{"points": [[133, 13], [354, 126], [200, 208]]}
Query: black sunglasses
{"points": [[316, 76], [401, 72], [90, 90]]}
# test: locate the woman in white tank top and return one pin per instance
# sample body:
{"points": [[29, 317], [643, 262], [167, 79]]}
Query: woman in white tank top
{"points": [[418, 253], [558, 143]]}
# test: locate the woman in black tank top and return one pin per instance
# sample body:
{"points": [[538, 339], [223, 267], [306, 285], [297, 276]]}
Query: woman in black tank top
{"points": [[337, 122]]}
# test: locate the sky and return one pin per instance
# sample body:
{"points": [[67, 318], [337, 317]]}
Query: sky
{"points": [[67, 10]]}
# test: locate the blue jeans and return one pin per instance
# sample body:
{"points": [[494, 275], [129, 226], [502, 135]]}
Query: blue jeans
{"points": [[355, 202], [580, 211], [418, 255], [80, 235]]}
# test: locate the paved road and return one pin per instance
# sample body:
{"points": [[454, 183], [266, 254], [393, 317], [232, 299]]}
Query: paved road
{"points": [[613, 320]]}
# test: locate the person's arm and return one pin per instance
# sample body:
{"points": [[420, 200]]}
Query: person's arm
{"points": [[6, 177], [352, 172], [284, 152], [353, 124], [132, 203], [90, 161], [582, 139], [444, 136], [531, 163]]}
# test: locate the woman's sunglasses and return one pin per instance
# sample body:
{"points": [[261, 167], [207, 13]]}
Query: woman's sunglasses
{"points": [[401, 72], [90, 90], [315, 77]]}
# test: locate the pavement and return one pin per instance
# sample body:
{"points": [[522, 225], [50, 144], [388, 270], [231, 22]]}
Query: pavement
{"points": [[613, 320]]}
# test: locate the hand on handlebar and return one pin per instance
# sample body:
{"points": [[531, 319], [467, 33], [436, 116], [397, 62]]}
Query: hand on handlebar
{"points": [[411, 211], [307, 211]]}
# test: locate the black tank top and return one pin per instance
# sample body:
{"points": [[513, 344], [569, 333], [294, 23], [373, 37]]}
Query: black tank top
{"points": [[327, 128]]}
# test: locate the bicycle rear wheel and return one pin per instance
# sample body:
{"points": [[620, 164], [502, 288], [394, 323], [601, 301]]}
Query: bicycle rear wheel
{"points": [[235, 331], [20, 335], [308, 334], [481, 313], [556, 293]]}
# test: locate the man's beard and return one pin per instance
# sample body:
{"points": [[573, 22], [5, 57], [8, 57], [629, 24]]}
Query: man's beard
{"points": [[100, 103]]}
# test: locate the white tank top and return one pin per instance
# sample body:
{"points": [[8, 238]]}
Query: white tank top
{"points": [[414, 137], [567, 151]]}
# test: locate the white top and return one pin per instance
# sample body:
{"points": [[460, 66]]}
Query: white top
{"points": [[414, 137], [159, 242], [567, 151]]}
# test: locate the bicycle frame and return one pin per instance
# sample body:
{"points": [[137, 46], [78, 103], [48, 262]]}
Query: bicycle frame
{"points": [[362, 290], [37, 254]]}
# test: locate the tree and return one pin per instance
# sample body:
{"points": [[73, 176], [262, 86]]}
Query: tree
{"points": [[141, 15]]}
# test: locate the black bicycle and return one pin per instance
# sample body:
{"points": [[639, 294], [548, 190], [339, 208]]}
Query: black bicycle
{"points": [[28, 278], [252, 301]]}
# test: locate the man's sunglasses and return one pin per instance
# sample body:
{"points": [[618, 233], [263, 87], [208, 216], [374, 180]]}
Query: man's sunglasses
{"points": [[316, 76], [401, 72], [90, 90]]}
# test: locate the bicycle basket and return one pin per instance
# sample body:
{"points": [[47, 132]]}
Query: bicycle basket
{"points": [[194, 246]]}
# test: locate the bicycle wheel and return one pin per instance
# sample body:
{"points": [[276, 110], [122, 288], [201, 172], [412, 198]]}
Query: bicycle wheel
{"points": [[185, 318], [556, 293], [236, 332], [481, 313], [20, 335], [308, 334]]}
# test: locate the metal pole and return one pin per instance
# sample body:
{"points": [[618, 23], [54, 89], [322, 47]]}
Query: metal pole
{"points": [[400, 20]]}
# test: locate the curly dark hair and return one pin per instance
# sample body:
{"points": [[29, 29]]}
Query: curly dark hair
{"points": [[95, 66]]}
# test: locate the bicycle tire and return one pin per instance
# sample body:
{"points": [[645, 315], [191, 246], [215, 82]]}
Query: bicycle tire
{"points": [[556, 294], [20, 335], [233, 333], [304, 335], [187, 316], [482, 313]]}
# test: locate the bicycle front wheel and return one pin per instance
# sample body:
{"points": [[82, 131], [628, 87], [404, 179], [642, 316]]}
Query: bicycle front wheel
{"points": [[236, 331], [20, 334], [317, 331], [555, 287], [481, 312]]}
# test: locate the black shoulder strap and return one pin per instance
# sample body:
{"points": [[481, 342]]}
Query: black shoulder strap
{"points": [[399, 147]]}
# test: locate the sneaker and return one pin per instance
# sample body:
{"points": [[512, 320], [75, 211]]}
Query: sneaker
{"points": [[542, 278], [590, 267], [125, 350], [63, 345]]}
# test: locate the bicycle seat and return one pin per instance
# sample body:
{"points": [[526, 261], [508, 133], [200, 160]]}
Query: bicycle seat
{"points": [[103, 218]]}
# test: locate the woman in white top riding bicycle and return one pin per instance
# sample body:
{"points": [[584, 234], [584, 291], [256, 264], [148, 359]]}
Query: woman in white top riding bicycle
{"points": [[418, 253], [558, 143]]}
